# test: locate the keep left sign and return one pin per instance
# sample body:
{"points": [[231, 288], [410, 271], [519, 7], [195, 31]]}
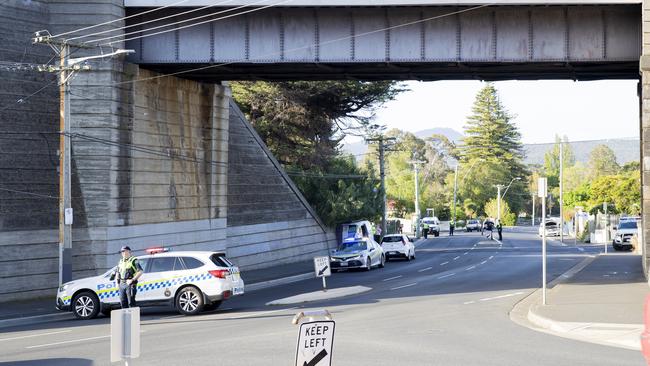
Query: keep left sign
{"points": [[315, 343]]}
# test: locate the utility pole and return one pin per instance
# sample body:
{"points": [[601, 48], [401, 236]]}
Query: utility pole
{"points": [[542, 193], [66, 69], [499, 202], [455, 189], [533, 224], [417, 198], [561, 191], [382, 174]]}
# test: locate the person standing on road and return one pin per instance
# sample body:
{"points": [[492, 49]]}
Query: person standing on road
{"points": [[452, 225], [489, 227], [128, 273], [499, 229], [425, 230]]}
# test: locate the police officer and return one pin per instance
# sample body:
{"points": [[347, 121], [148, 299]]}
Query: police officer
{"points": [[425, 229], [127, 274], [499, 228], [452, 225]]}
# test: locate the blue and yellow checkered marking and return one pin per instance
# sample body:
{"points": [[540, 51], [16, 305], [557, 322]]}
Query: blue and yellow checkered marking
{"points": [[147, 286]]}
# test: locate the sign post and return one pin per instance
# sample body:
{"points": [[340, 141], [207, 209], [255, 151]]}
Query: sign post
{"points": [[315, 340], [125, 335], [322, 269], [606, 226], [542, 193]]}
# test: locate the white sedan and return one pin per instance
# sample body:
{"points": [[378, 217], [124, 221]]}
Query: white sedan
{"points": [[188, 281], [398, 245], [357, 253]]}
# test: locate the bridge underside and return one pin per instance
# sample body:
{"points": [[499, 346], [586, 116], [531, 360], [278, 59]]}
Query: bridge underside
{"points": [[425, 43], [404, 71]]}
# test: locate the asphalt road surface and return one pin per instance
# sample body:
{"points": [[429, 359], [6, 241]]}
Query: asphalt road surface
{"points": [[448, 307]]}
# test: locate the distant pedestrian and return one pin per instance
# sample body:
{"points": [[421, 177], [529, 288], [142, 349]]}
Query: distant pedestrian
{"points": [[489, 226], [499, 229], [452, 225]]}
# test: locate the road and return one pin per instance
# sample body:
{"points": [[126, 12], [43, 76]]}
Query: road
{"points": [[448, 307]]}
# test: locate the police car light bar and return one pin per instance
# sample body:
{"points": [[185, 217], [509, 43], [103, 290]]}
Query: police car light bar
{"points": [[155, 250]]}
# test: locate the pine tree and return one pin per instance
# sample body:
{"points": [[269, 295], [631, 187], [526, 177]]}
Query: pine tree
{"points": [[492, 138]]}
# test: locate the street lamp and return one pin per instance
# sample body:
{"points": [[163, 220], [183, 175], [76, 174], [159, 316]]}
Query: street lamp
{"points": [[499, 196]]}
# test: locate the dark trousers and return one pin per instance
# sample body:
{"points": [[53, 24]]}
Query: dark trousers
{"points": [[499, 231], [451, 231], [425, 231], [127, 295]]}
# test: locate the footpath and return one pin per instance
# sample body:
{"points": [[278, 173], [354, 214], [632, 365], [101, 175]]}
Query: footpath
{"points": [[600, 301]]}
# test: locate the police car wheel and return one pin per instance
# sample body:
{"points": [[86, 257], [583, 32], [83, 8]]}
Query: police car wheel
{"points": [[189, 301], [85, 305]]}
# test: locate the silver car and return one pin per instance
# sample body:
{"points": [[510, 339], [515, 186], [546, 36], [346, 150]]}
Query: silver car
{"points": [[358, 253]]}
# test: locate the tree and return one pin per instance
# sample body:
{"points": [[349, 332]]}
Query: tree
{"points": [[507, 218], [301, 122], [602, 161], [492, 146], [552, 160]]}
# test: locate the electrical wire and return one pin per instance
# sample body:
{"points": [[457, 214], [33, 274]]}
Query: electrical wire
{"points": [[24, 99], [193, 24], [117, 20], [28, 193], [147, 22], [294, 49]]}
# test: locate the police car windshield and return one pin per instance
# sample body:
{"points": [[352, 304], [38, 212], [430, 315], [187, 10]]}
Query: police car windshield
{"points": [[353, 246], [628, 225]]}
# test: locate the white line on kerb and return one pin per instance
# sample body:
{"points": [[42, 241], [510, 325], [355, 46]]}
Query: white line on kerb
{"points": [[425, 269], [391, 278], [470, 268], [443, 263], [456, 258], [70, 341], [409, 285], [34, 335], [445, 276]]}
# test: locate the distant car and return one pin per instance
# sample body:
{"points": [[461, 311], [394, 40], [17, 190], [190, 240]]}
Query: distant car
{"points": [[398, 246], [473, 225], [434, 225], [552, 228], [188, 281], [357, 253], [624, 232]]}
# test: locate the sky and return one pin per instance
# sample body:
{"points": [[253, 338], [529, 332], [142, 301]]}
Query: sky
{"points": [[585, 110]]}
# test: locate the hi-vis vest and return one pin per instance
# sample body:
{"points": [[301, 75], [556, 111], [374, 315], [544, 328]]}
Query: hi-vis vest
{"points": [[127, 268]]}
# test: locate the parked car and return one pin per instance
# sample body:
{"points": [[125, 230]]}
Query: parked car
{"points": [[552, 227], [357, 253], [473, 225], [188, 281], [398, 246], [434, 225], [625, 230]]}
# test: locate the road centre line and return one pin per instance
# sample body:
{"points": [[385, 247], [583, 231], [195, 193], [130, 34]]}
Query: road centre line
{"points": [[484, 262], [465, 253], [470, 268], [443, 263], [456, 258], [425, 269], [491, 257], [409, 285], [65, 342], [445, 276], [392, 278], [34, 335]]}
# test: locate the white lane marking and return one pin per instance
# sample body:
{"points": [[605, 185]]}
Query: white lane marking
{"points": [[456, 258], [465, 253], [445, 276], [581, 249], [391, 278], [501, 297], [468, 302], [443, 263], [491, 257], [34, 335], [470, 268], [409, 285], [65, 342], [483, 262], [425, 269]]}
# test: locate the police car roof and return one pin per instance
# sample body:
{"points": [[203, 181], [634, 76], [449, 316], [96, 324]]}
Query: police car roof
{"points": [[191, 253]]}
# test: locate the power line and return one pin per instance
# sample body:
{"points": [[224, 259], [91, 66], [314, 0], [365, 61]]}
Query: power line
{"points": [[28, 193], [117, 20], [194, 24], [24, 99], [297, 48]]}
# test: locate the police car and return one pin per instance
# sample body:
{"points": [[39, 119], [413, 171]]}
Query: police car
{"points": [[189, 281]]}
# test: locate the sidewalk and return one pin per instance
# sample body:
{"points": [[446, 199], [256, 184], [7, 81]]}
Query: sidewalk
{"points": [[600, 303]]}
